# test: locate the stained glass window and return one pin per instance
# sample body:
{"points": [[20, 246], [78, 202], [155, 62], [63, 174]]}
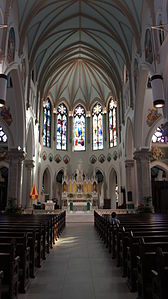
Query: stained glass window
{"points": [[62, 127], [79, 129], [47, 124], [97, 127], [3, 136], [113, 123], [159, 136]]}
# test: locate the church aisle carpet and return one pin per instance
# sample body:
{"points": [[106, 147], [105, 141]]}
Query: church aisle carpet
{"points": [[79, 267]]}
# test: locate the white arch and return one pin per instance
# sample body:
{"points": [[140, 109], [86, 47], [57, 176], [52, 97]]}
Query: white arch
{"points": [[152, 131], [160, 164], [7, 130]]}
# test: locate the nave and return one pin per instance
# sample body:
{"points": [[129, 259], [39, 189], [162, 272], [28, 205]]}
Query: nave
{"points": [[79, 266]]}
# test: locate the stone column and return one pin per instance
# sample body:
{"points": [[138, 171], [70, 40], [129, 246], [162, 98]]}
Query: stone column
{"points": [[130, 178], [29, 164], [15, 174], [70, 127], [88, 129], [105, 127], [143, 158]]}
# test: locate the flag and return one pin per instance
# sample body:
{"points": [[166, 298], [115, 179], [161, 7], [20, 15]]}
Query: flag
{"points": [[34, 193]]}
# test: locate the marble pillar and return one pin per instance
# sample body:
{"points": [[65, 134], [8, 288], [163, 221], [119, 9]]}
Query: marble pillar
{"points": [[143, 158], [15, 175], [29, 164]]}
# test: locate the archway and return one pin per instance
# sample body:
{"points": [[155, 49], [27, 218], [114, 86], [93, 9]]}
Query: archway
{"points": [[113, 189], [100, 188], [159, 178], [58, 187], [46, 184]]}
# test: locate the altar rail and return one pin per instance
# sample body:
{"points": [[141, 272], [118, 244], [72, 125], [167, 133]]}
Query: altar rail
{"points": [[118, 211]]}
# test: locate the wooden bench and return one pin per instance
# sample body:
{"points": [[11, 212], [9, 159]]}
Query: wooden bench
{"points": [[23, 251], [9, 264], [146, 261], [160, 276], [133, 251], [1, 277]]}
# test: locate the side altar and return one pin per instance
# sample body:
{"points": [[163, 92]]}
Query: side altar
{"points": [[79, 192]]}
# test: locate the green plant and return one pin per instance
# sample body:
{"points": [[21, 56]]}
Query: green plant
{"points": [[146, 206], [12, 208], [70, 195]]}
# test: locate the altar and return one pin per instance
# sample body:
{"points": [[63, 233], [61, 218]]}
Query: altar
{"points": [[79, 192]]}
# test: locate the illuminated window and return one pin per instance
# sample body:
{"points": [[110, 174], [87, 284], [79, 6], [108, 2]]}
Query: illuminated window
{"points": [[113, 123], [79, 129], [97, 127], [62, 127], [3, 136], [47, 123], [159, 136]]}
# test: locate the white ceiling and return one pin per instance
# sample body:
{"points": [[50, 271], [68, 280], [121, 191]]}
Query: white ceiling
{"points": [[80, 47]]}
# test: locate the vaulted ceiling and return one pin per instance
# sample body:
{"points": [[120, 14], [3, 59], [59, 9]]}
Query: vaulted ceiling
{"points": [[80, 47]]}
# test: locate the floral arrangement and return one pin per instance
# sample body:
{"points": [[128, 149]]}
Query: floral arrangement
{"points": [[157, 153]]}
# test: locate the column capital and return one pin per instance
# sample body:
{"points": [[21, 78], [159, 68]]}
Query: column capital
{"points": [[143, 154], [29, 163], [129, 163], [15, 154]]}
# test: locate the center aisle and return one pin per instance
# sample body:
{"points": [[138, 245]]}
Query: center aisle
{"points": [[79, 267]]}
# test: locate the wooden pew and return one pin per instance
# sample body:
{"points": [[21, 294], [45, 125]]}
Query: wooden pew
{"points": [[123, 239], [23, 251], [160, 276], [9, 264], [1, 277], [146, 261], [133, 251]]}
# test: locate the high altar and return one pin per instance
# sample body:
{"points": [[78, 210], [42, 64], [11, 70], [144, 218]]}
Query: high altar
{"points": [[79, 192]]}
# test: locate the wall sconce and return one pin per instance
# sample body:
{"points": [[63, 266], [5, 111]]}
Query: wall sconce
{"points": [[70, 113], [55, 110], [157, 90], [3, 89], [88, 114]]}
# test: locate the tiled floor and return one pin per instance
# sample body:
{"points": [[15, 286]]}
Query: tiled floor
{"points": [[79, 267]]}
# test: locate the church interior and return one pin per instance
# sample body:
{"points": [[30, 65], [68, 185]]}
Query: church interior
{"points": [[83, 133]]}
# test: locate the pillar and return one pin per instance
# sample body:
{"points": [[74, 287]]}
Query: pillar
{"points": [[70, 127], [29, 164], [15, 175], [88, 129], [143, 158]]}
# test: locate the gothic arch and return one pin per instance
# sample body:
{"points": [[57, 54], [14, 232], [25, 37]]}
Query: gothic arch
{"points": [[8, 132], [152, 130], [47, 183], [113, 182]]}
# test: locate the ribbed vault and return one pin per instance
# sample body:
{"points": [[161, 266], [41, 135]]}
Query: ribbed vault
{"points": [[80, 47]]}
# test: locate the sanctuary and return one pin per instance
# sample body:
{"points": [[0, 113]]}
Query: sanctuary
{"points": [[79, 191]]}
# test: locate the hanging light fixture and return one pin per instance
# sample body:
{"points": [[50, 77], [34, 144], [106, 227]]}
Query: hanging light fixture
{"points": [[3, 89], [157, 90]]}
